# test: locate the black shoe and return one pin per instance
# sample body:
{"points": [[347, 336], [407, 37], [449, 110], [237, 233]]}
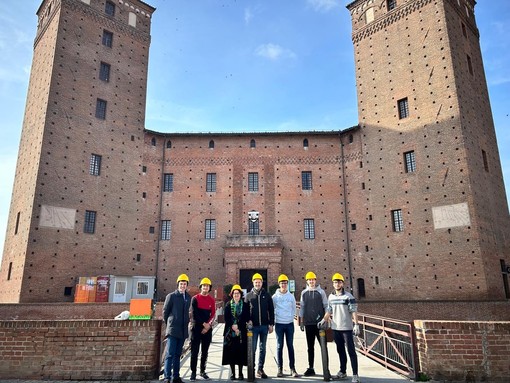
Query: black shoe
{"points": [[241, 376], [177, 380], [309, 371], [204, 376], [232, 377], [261, 374], [193, 377]]}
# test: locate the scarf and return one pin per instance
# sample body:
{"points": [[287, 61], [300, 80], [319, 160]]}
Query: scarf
{"points": [[236, 309]]}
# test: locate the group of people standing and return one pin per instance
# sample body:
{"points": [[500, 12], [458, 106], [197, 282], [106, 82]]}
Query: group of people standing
{"points": [[262, 314]]}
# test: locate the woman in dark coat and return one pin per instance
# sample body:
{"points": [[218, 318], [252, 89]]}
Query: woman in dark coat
{"points": [[237, 314]]}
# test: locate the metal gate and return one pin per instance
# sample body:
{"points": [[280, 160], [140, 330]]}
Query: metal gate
{"points": [[389, 342]]}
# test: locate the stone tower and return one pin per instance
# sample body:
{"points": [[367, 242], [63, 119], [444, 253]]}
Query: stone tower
{"points": [[432, 205], [79, 162]]}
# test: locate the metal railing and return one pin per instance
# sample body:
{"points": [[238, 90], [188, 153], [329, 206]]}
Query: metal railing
{"points": [[389, 342]]}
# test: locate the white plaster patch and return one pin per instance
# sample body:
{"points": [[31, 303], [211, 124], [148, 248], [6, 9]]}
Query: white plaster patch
{"points": [[57, 217], [451, 216]]}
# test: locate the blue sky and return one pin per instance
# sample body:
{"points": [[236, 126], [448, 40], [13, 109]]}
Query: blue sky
{"points": [[241, 65]]}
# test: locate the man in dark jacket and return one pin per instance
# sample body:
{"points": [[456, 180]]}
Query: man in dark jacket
{"points": [[261, 318], [176, 317]]}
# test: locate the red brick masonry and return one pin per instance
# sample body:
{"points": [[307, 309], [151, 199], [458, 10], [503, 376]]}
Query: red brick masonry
{"points": [[79, 350], [464, 351]]}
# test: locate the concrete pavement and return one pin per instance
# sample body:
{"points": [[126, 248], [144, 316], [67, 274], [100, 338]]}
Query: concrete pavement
{"points": [[369, 371]]}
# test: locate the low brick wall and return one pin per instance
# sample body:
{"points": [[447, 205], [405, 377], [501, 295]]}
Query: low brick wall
{"points": [[464, 351], [60, 311], [438, 310], [80, 350]]}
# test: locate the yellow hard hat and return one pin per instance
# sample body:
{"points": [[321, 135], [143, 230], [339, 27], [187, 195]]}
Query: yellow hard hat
{"points": [[257, 276], [236, 287], [282, 277], [337, 277], [205, 281], [182, 277], [310, 275]]}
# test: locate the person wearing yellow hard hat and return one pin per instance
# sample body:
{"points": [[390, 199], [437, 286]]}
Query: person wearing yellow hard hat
{"points": [[235, 333], [313, 304], [284, 311], [176, 317], [342, 313], [261, 318], [202, 314]]}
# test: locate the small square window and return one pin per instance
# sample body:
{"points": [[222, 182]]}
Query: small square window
{"points": [[68, 290], [101, 109], [107, 38], [306, 180], [142, 288], [104, 72], [403, 108], [151, 230], [391, 4]]}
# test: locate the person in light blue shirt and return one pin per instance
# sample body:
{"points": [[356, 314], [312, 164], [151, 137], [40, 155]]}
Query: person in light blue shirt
{"points": [[284, 310]]}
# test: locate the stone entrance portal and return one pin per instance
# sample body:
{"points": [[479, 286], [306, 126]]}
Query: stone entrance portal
{"points": [[253, 253]]}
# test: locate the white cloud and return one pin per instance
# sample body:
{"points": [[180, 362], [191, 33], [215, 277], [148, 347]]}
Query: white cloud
{"points": [[323, 5], [248, 15], [274, 52]]}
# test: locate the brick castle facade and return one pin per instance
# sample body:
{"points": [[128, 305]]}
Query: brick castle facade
{"points": [[409, 204]]}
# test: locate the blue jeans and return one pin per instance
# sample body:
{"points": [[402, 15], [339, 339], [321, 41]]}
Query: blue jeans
{"points": [[287, 331], [173, 357], [341, 339], [260, 331]]}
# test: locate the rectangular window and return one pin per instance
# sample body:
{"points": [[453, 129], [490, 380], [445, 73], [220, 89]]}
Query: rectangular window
{"points": [[9, 271], [104, 72], [392, 4], [210, 228], [142, 288], [410, 161], [90, 222], [403, 108], [306, 180], [107, 38], [253, 182], [309, 228], [464, 31], [168, 182], [101, 109], [166, 230], [109, 8], [210, 186], [16, 227], [253, 227], [470, 65], [485, 162], [396, 220], [95, 164]]}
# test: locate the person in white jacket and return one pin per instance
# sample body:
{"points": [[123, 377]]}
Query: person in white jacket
{"points": [[284, 310]]}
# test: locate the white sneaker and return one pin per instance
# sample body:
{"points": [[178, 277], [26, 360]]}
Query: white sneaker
{"points": [[355, 379], [341, 375]]}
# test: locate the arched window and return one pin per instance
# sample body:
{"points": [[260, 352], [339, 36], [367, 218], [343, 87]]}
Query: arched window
{"points": [[351, 138], [361, 288], [169, 144], [211, 144], [252, 143], [305, 143], [153, 141]]}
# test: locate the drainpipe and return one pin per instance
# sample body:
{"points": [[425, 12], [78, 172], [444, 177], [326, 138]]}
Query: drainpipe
{"points": [[158, 234], [346, 214]]}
